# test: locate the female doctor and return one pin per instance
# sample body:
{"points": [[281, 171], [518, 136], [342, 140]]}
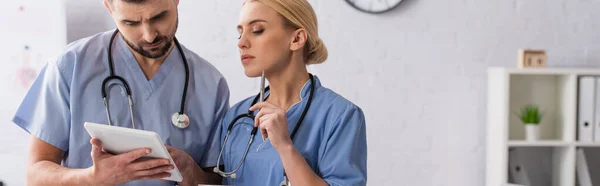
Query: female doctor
{"points": [[307, 134]]}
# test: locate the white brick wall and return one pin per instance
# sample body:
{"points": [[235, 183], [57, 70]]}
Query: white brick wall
{"points": [[418, 72]]}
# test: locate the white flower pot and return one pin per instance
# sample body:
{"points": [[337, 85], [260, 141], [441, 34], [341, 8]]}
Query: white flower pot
{"points": [[532, 132]]}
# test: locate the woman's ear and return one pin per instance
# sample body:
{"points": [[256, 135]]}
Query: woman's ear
{"points": [[299, 39]]}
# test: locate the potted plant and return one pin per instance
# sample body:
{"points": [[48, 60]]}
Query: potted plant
{"points": [[531, 118]]}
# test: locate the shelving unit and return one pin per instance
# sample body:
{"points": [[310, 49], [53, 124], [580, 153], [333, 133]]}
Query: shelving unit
{"points": [[550, 160]]}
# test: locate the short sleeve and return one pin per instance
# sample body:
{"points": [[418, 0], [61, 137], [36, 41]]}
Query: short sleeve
{"points": [[44, 111], [344, 161]]}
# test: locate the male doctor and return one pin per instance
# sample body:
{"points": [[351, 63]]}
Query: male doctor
{"points": [[67, 93]]}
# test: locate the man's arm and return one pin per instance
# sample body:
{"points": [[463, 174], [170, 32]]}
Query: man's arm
{"points": [[43, 167]]}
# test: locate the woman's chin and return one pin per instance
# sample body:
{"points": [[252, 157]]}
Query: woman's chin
{"points": [[252, 73]]}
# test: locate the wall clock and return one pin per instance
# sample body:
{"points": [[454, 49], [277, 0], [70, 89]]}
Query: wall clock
{"points": [[374, 6]]}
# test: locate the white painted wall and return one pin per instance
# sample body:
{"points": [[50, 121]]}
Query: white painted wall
{"points": [[32, 32], [419, 72]]}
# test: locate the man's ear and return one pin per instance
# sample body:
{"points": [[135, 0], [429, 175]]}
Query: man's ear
{"points": [[107, 5], [299, 39]]}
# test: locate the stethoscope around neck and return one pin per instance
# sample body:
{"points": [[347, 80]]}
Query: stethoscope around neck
{"points": [[179, 119], [250, 114]]}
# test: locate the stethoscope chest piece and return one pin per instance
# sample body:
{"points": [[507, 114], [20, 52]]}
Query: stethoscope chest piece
{"points": [[180, 120]]}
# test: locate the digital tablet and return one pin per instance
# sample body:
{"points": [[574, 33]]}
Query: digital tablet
{"points": [[119, 140]]}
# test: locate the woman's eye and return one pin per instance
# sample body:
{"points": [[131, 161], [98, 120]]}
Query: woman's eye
{"points": [[258, 31]]}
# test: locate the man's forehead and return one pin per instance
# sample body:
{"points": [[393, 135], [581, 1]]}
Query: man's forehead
{"points": [[130, 2], [138, 11]]}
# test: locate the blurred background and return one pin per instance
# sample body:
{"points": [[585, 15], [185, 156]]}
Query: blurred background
{"points": [[419, 71]]}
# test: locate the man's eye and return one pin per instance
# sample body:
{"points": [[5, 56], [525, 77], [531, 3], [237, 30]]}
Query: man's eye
{"points": [[128, 23]]}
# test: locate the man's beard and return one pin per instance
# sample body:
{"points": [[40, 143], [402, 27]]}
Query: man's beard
{"points": [[154, 52]]}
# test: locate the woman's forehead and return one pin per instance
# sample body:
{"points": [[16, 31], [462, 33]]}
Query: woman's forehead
{"points": [[255, 10]]}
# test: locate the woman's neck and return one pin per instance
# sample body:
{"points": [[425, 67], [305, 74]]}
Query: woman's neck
{"points": [[286, 85]]}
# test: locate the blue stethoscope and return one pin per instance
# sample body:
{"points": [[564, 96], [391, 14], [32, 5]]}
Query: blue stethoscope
{"points": [[179, 119], [250, 114]]}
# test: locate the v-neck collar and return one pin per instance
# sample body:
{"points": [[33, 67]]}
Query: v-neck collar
{"points": [[304, 94], [148, 86]]}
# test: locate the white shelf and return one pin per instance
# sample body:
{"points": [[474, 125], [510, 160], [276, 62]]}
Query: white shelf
{"points": [[554, 94], [549, 143], [587, 144]]}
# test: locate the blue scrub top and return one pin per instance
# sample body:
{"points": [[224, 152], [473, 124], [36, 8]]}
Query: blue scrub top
{"points": [[332, 139], [67, 93]]}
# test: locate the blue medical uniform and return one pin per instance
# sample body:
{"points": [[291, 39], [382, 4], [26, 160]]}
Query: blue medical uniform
{"points": [[332, 139], [67, 93]]}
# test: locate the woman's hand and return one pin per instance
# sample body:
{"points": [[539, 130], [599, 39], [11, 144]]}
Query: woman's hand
{"points": [[272, 121]]}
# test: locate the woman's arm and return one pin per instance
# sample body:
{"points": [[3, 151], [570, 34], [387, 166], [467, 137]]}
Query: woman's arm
{"points": [[297, 169]]}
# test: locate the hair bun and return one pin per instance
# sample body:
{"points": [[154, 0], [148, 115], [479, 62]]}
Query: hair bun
{"points": [[317, 52]]}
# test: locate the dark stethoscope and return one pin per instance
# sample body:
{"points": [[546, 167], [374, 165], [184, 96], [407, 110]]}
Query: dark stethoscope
{"points": [[251, 115], [179, 119]]}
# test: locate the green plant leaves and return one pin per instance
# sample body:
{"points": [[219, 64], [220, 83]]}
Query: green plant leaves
{"points": [[530, 115]]}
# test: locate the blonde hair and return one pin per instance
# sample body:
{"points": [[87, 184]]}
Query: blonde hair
{"points": [[300, 14]]}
